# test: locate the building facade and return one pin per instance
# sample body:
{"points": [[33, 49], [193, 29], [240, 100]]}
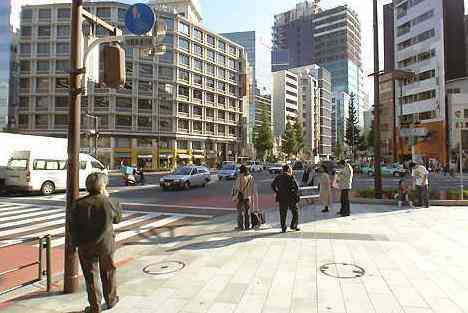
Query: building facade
{"points": [[186, 106], [285, 100], [389, 37], [388, 135], [6, 47], [264, 108], [428, 36], [341, 102]]}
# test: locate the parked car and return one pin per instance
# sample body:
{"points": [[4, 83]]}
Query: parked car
{"points": [[229, 171], [396, 170], [186, 177], [367, 169], [275, 169], [254, 166]]}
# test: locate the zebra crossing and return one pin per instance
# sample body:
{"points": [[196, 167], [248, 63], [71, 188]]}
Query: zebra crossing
{"points": [[19, 221]]}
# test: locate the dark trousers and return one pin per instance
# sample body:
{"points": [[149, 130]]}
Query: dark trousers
{"points": [[423, 195], [94, 261], [345, 206], [284, 207], [243, 214]]}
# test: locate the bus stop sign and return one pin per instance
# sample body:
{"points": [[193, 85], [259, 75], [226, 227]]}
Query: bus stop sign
{"points": [[139, 19]]}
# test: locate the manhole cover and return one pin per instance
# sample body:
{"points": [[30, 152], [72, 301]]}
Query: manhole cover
{"points": [[342, 270], [162, 268]]}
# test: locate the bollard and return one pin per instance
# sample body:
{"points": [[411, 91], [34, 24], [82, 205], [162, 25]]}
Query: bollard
{"points": [[49, 262], [41, 246]]}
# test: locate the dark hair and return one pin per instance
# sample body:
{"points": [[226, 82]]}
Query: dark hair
{"points": [[244, 170], [342, 162], [412, 164], [285, 168]]}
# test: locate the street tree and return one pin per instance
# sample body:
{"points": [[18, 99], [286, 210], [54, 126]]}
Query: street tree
{"points": [[289, 144], [352, 136], [299, 135], [263, 140]]}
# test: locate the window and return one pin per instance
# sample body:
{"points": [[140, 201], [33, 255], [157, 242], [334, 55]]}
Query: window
{"points": [[23, 121], [43, 48], [166, 73], [61, 83], [197, 49], [183, 44], [121, 14], [197, 34], [210, 83], [184, 59], [184, 75], [168, 40], [210, 54], [183, 108], [210, 69], [425, 95], [145, 86], [63, 13], [183, 125], [145, 122], [232, 76], [221, 115], [221, 73], [210, 113], [146, 70], [183, 91], [210, 40], [232, 50], [291, 77], [221, 59], [42, 84], [123, 104], [231, 63], [197, 110], [210, 97], [63, 31], [61, 66], [145, 105], [221, 86], [167, 58], [26, 31], [44, 14], [123, 121], [62, 48], [25, 66], [210, 128], [26, 14], [232, 131], [197, 94], [197, 145], [222, 100], [43, 31], [42, 66], [25, 84], [417, 39], [197, 65], [232, 90], [427, 115], [197, 79], [197, 127], [46, 165], [42, 121], [25, 49], [24, 103], [104, 13], [42, 103], [184, 28], [222, 46], [232, 117], [61, 120], [61, 103], [101, 104]]}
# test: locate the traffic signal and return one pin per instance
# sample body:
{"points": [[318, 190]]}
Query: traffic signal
{"points": [[114, 66]]}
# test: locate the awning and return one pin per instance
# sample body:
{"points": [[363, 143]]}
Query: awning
{"points": [[183, 156], [166, 156], [198, 156]]}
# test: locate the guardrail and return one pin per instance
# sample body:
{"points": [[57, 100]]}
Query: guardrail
{"points": [[308, 188], [44, 247]]}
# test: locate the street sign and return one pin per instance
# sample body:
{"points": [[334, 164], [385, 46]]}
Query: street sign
{"points": [[413, 132], [139, 19], [144, 42]]}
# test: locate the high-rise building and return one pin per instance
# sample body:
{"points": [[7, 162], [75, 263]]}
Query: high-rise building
{"points": [[285, 100], [388, 136], [187, 105], [429, 40], [5, 60], [341, 102], [248, 41], [264, 108], [389, 37], [189, 9]]}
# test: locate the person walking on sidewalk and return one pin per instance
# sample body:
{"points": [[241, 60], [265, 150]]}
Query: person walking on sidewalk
{"points": [[345, 182], [325, 189], [243, 194], [287, 195], [421, 179], [92, 232]]}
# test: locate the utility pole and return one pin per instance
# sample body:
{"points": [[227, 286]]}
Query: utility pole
{"points": [[377, 155], [71, 261]]}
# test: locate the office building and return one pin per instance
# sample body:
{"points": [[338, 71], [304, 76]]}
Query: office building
{"points": [[264, 108], [6, 60], [186, 106], [388, 135], [189, 9], [457, 103], [285, 100], [368, 121], [429, 37], [248, 41], [389, 37], [340, 102]]}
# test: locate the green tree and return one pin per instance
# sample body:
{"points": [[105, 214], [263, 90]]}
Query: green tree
{"points": [[263, 140], [299, 135], [353, 136], [289, 144]]}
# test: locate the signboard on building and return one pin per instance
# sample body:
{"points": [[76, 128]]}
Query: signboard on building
{"points": [[413, 132]]}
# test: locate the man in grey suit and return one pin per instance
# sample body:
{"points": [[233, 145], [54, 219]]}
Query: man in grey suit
{"points": [[92, 232]]}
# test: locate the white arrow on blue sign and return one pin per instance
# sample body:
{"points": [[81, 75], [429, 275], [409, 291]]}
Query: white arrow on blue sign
{"points": [[139, 19]]}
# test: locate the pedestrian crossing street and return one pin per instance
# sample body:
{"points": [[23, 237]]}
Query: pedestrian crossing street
{"points": [[22, 221]]}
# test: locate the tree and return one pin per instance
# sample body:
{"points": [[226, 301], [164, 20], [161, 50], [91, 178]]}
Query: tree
{"points": [[339, 149], [289, 144], [370, 139], [352, 136], [263, 140], [299, 136]]}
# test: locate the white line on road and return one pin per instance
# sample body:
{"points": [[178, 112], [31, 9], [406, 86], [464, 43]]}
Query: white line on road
{"points": [[176, 206], [24, 214], [36, 220]]}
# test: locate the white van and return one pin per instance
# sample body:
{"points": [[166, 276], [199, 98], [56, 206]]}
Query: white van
{"points": [[46, 171]]}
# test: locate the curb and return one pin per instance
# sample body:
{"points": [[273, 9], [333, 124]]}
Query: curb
{"points": [[395, 202]]}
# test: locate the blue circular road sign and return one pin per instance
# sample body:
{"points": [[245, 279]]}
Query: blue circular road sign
{"points": [[139, 19]]}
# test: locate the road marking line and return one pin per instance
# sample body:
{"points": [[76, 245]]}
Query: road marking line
{"points": [[33, 220], [27, 214], [176, 206], [145, 228]]}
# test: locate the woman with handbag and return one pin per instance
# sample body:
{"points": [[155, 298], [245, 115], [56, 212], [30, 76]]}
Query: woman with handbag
{"points": [[242, 194], [325, 189]]}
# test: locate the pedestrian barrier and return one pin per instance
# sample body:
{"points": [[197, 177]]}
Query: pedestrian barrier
{"points": [[305, 197], [44, 251]]}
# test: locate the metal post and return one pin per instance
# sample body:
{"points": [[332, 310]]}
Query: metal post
{"points": [[461, 166], [48, 262], [377, 156], [41, 245], [70, 260]]}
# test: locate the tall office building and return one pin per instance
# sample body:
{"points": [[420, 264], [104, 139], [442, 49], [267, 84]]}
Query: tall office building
{"points": [[187, 105], [429, 37], [285, 100], [389, 37], [5, 60], [189, 9], [264, 107]]}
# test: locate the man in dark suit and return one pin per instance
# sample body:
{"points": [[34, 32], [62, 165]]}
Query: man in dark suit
{"points": [[92, 231], [287, 195]]}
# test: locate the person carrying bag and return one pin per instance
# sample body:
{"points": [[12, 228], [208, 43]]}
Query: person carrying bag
{"points": [[243, 194]]}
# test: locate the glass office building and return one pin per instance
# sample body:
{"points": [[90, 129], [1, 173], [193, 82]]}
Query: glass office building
{"points": [[5, 53]]}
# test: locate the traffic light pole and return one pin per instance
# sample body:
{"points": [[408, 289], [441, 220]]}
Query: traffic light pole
{"points": [[71, 261]]}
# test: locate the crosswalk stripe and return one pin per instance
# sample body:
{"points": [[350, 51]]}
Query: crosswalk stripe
{"points": [[37, 220], [6, 207], [21, 211], [130, 233], [27, 215]]}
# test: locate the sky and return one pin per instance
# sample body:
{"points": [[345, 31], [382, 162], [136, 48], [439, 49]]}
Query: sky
{"points": [[246, 15]]}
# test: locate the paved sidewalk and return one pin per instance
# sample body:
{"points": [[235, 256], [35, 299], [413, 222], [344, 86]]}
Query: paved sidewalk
{"points": [[415, 261]]}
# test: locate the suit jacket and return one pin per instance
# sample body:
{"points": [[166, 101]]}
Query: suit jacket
{"points": [[92, 221], [286, 189]]}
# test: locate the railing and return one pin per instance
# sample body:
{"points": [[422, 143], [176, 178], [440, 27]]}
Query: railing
{"points": [[305, 197], [44, 244]]}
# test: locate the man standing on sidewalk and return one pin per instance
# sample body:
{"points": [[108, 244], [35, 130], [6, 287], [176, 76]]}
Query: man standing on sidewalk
{"points": [[345, 182], [93, 234], [287, 195], [421, 179]]}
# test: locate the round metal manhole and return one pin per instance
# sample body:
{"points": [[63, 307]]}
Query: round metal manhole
{"points": [[162, 268], [342, 270]]}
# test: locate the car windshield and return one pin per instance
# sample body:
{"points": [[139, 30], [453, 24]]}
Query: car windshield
{"points": [[229, 167], [18, 164], [183, 171]]}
